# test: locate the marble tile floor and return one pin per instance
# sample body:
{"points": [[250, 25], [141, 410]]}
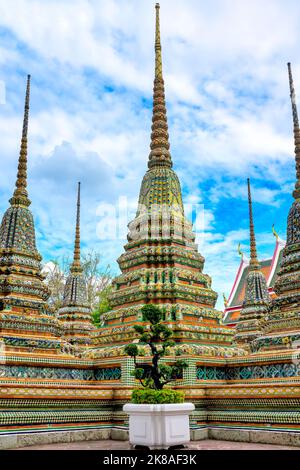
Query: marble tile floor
{"points": [[124, 445]]}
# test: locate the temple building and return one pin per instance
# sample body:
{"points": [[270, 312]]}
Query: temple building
{"points": [[62, 379], [269, 267]]}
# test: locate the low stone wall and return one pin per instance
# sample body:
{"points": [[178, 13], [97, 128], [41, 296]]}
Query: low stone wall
{"points": [[257, 436], [18, 440], [13, 441]]}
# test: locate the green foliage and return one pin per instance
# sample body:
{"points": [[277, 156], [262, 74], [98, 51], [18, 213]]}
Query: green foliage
{"points": [[151, 396], [158, 337], [139, 373], [152, 313], [103, 305], [131, 350], [139, 329]]}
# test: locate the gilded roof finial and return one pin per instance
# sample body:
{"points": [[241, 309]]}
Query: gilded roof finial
{"points": [[20, 196], [76, 265], [296, 192], [274, 232], [158, 59], [253, 255], [240, 252], [160, 147]]}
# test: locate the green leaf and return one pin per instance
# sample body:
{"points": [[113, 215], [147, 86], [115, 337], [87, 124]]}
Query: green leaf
{"points": [[144, 338], [152, 313], [151, 396], [131, 350], [138, 373], [139, 329]]}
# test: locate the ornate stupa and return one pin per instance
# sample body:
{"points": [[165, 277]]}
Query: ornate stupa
{"points": [[161, 263], [257, 299], [24, 319], [282, 329], [75, 313], [287, 286]]}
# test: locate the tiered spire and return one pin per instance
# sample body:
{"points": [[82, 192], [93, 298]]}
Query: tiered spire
{"points": [[296, 192], [25, 321], [158, 58], [160, 146], [287, 284], [257, 299], [254, 264], [75, 313], [283, 321], [161, 264], [20, 196], [76, 265]]}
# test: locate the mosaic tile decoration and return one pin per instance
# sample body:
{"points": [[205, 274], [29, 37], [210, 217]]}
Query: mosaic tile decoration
{"points": [[106, 373], [268, 371]]}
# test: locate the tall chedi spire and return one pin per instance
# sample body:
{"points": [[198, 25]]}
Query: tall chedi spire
{"points": [[296, 192], [75, 314], [20, 194], [287, 284], [160, 186], [24, 320], [283, 323], [254, 264], [76, 265], [161, 264], [160, 147], [257, 299]]}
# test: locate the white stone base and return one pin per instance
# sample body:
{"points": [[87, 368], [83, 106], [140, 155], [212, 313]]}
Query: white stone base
{"points": [[159, 426], [258, 436], [13, 441]]}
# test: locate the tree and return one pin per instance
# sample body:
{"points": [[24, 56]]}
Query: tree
{"points": [[97, 277], [55, 273], [158, 338], [103, 305]]}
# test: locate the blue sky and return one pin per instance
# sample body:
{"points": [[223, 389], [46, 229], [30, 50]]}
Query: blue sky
{"points": [[92, 75]]}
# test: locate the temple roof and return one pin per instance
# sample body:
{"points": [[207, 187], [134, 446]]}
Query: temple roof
{"points": [[269, 267]]}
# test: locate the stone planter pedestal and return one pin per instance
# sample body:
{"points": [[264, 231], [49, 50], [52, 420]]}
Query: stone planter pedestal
{"points": [[159, 426]]}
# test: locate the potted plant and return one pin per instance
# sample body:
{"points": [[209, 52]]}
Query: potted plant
{"points": [[158, 417]]}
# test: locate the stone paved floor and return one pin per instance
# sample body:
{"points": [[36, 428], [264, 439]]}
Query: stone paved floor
{"points": [[121, 445]]}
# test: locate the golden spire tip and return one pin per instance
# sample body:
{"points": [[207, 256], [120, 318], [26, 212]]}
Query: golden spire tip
{"points": [[296, 192], [20, 196], [76, 266], [253, 254]]}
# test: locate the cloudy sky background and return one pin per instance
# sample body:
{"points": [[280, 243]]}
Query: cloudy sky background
{"points": [[92, 75]]}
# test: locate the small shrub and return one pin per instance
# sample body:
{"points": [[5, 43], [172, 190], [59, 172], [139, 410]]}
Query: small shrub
{"points": [[159, 338], [150, 396]]}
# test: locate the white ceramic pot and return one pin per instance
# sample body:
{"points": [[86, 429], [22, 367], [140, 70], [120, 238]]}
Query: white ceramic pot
{"points": [[159, 426]]}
